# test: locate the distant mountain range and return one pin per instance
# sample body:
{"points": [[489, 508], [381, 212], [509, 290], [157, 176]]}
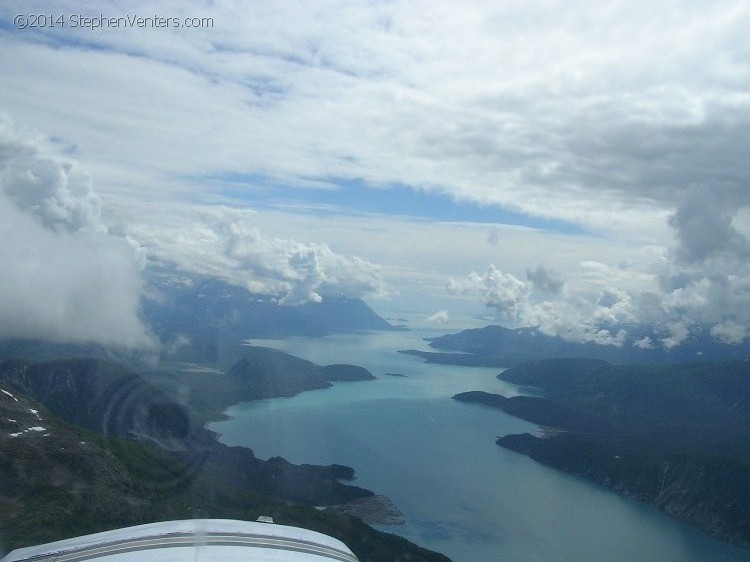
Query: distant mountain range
{"points": [[497, 346], [205, 319]]}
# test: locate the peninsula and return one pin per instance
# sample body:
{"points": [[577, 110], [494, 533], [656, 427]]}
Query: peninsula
{"points": [[87, 445], [675, 436]]}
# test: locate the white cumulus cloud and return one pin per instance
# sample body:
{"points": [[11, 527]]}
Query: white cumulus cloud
{"points": [[63, 277], [223, 242], [441, 318], [502, 291], [703, 283]]}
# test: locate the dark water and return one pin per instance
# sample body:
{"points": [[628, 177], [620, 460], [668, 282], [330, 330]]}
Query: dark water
{"points": [[436, 459]]}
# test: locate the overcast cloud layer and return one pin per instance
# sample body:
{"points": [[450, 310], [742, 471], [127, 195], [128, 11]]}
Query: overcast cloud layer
{"points": [[628, 122]]}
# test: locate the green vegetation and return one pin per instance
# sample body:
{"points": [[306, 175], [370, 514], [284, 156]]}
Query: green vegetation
{"points": [[144, 459], [75, 482], [675, 436], [261, 372]]}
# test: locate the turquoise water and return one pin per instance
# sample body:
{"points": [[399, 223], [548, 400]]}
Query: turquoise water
{"points": [[437, 460]]}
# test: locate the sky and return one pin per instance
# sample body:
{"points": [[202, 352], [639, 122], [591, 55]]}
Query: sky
{"points": [[577, 167]]}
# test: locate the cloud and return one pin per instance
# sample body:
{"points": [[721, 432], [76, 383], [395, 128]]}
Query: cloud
{"points": [[71, 277], [677, 332], [703, 283], [63, 277], [644, 343], [502, 291], [59, 194], [572, 316], [583, 127], [223, 242], [604, 123], [703, 224], [575, 318], [441, 318], [707, 279], [730, 332], [545, 281], [494, 237]]}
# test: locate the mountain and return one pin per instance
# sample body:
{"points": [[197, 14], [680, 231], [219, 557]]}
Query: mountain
{"points": [[675, 436], [259, 372], [58, 479], [205, 319], [503, 347], [121, 405], [99, 396]]}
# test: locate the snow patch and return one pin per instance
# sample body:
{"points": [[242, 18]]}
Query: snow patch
{"points": [[35, 428], [36, 413], [12, 421], [9, 394]]}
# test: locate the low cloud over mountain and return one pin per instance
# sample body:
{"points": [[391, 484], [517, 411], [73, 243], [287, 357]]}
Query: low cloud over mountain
{"points": [[63, 277], [703, 282], [70, 277], [223, 242]]}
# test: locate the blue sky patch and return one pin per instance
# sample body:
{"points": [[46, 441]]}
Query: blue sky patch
{"points": [[346, 196]]}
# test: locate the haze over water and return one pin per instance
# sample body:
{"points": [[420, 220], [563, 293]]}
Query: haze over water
{"points": [[460, 493]]}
